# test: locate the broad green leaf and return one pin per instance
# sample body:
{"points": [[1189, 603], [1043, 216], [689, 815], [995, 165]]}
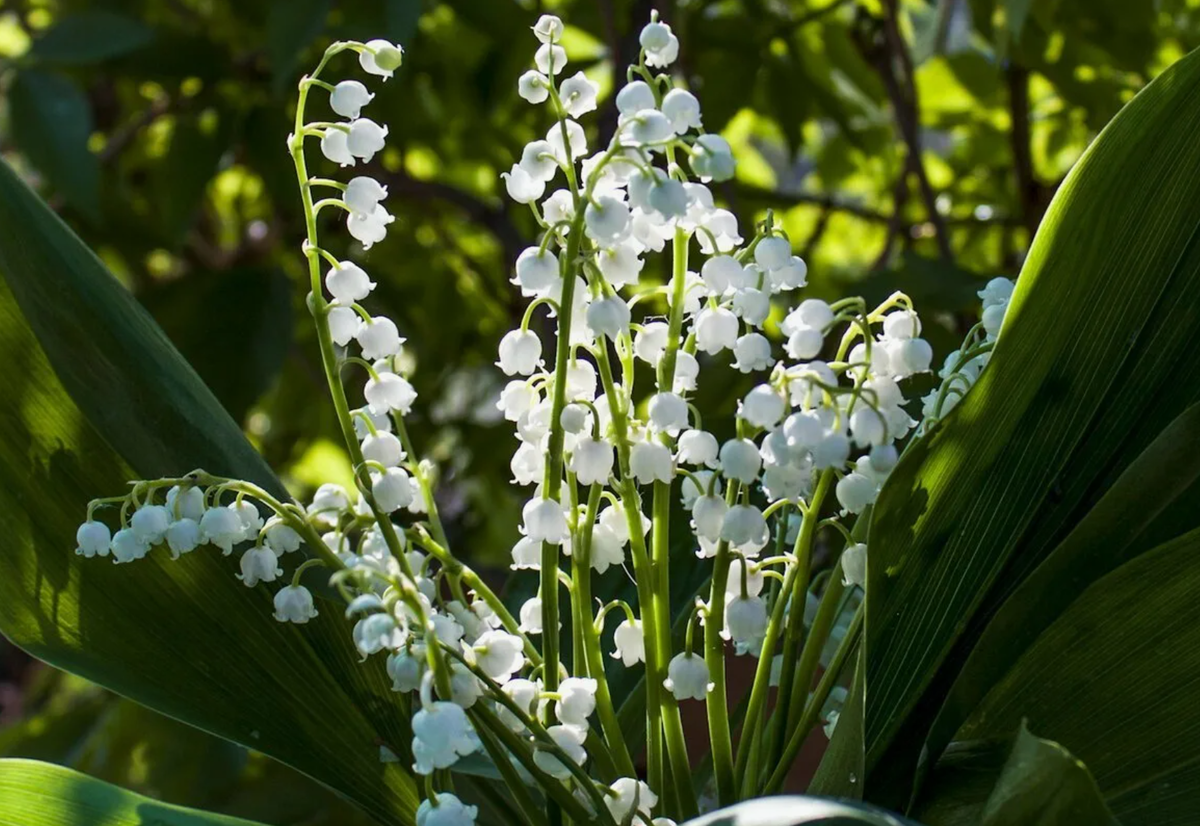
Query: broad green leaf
{"points": [[98, 396], [291, 26], [42, 794], [1043, 785], [1164, 475], [89, 37], [1098, 354], [795, 810], [51, 123], [1112, 680], [842, 768]]}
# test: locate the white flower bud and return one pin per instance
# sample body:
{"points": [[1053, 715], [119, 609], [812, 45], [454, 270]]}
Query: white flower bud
{"points": [[548, 29], [381, 58], [384, 448], [330, 499], [649, 126], [651, 341], [773, 253], [392, 490], [668, 198], [405, 668], [855, 492], [629, 643], [712, 158], [343, 325], [578, 700], [348, 98], [185, 502], [752, 352], [578, 94], [499, 654], [544, 521], [908, 356], [805, 343], [520, 353], [569, 739], [708, 516], [993, 319], [687, 677], [550, 59], [259, 564], [668, 412], [832, 451], [745, 621], [854, 566], [883, 458], [93, 539], [697, 447], [363, 194], [661, 46], [740, 460], [607, 220], [629, 793], [901, 324], [812, 312], [997, 292], [634, 97], [294, 603], [348, 283]]}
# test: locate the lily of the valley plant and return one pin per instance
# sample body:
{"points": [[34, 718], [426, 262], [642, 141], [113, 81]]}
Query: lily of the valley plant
{"points": [[604, 464]]}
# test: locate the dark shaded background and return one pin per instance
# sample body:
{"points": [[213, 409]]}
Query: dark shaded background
{"points": [[904, 144]]}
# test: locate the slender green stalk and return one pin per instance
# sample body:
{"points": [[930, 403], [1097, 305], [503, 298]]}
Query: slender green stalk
{"points": [[717, 703]]}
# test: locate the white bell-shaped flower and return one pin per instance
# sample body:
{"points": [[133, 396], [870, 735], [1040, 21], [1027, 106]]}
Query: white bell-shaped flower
{"points": [[533, 86], [183, 536], [697, 447], [185, 502], [884, 458], [607, 549], [391, 490], [832, 451], [668, 198], [150, 523], [627, 795], [683, 110], [520, 353], [649, 126], [577, 700], [629, 643], [550, 59], [335, 146], [741, 460], [93, 539], [742, 572], [330, 499], [744, 525], [405, 669], [634, 97], [712, 158], [901, 324], [773, 252], [521, 186], [548, 29], [908, 356], [523, 693], [668, 412], [259, 564], [651, 462], [449, 811], [708, 516], [531, 615], [660, 45], [348, 98], [811, 312], [745, 621], [366, 137], [384, 448], [607, 220], [592, 461], [570, 740], [221, 527], [752, 353], [363, 194], [998, 291], [378, 338], [651, 341], [369, 229], [499, 654], [578, 94], [763, 406], [993, 319], [544, 521], [855, 492], [867, 426], [791, 276], [688, 677], [854, 565], [251, 519], [389, 392], [805, 343], [538, 159], [280, 537], [577, 143], [687, 370], [441, 734], [721, 273], [348, 282], [343, 324], [716, 330], [537, 271], [608, 317], [127, 546], [294, 603]]}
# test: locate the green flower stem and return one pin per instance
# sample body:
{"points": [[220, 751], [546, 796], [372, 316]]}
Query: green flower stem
{"points": [[627, 490], [810, 656], [512, 778], [813, 709], [716, 703], [788, 683], [593, 656]]}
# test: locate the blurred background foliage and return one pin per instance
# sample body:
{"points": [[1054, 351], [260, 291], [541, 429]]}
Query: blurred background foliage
{"points": [[903, 144]]}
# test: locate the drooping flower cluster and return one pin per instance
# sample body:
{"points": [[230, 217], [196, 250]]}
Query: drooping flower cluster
{"points": [[604, 462]]}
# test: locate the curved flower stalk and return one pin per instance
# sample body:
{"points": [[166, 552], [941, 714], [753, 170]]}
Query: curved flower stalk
{"points": [[605, 463]]}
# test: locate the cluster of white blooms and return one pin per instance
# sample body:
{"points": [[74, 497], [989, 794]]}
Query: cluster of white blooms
{"points": [[963, 366], [599, 459]]}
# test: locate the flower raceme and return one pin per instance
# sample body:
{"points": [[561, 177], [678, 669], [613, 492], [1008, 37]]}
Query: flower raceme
{"points": [[600, 458]]}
